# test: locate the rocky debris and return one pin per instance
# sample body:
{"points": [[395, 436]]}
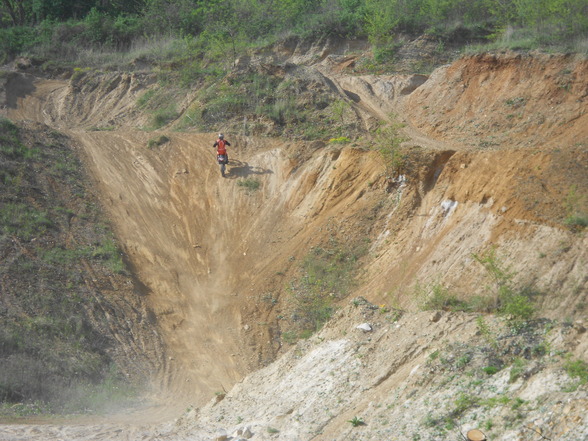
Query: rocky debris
{"points": [[414, 377], [365, 327]]}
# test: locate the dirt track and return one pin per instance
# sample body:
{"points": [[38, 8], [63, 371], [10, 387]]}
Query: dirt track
{"points": [[197, 242], [206, 250]]}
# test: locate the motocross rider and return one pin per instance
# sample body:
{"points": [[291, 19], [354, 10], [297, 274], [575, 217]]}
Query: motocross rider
{"points": [[220, 145]]}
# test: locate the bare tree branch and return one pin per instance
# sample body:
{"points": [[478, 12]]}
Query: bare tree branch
{"points": [[537, 432]]}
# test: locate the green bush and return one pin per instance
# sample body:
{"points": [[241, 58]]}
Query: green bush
{"points": [[490, 370], [312, 309], [330, 269], [23, 220], [10, 144], [463, 403], [249, 184], [510, 301], [574, 203], [16, 40], [160, 102], [577, 221], [388, 141], [162, 117], [517, 305], [156, 142], [327, 275], [577, 369], [441, 299], [517, 369]]}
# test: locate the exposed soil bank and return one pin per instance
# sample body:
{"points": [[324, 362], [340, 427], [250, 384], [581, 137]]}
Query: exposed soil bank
{"points": [[497, 159]]}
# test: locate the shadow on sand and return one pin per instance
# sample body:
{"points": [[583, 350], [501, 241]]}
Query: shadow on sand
{"points": [[240, 169], [18, 86]]}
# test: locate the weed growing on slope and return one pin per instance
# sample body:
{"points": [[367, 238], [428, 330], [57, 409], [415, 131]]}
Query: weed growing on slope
{"points": [[156, 142], [163, 116], [356, 422], [23, 220], [54, 350], [486, 332], [513, 303], [160, 102], [577, 369], [340, 140], [502, 296], [576, 219], [10, 144], [517, 369], [482, 393], [490, 370], [463, 403], [388, 141], [269, 103], [440, 298], [326, 276], [250, 185]]}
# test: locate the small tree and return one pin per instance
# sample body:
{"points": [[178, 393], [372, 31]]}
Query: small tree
{"points": [[509, 301], [388, 141]]}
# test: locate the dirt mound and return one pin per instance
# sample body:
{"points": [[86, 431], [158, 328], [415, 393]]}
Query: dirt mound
{"points": [[505, 100]]}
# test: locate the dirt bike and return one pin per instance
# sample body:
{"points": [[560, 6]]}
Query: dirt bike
{"points": [[222, 160]]}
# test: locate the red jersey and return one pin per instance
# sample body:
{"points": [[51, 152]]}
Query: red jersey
{"points": [[220, 147]]}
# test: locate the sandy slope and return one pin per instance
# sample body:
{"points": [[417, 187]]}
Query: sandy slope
{"points": [[208, 252]]}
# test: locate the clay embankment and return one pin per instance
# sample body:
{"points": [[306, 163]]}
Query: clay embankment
{"points": [[207, 251], [201, 246]]}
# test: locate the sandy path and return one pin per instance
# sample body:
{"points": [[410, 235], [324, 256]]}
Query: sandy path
{"points": [[172, 209], [184, 231]]}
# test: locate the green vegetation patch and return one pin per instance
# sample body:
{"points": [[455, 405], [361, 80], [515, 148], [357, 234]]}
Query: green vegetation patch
{"points": [[474, 373], [11, 147], [576, 218], [157, 142], [327, 275], [388, 141], [160, 103], [275, 102], [502, 296], [193, 37], [510, 301], [249, 184], [577, 369], [55, 354], [23, 220]]}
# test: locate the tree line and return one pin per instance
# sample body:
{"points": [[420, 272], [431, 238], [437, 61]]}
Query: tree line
{"points": [[115, 23]]}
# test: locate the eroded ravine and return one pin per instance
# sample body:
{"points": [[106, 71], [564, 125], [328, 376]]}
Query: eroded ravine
{"points": [[206, 250], [161, 204], [200, 245]]}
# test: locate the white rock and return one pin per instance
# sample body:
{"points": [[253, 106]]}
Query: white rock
{"points": [[243, 432], [221, 437], [366, 327]]}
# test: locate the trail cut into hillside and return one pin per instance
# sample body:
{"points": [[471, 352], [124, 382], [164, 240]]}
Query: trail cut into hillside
{"points": [[497, 160]]}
